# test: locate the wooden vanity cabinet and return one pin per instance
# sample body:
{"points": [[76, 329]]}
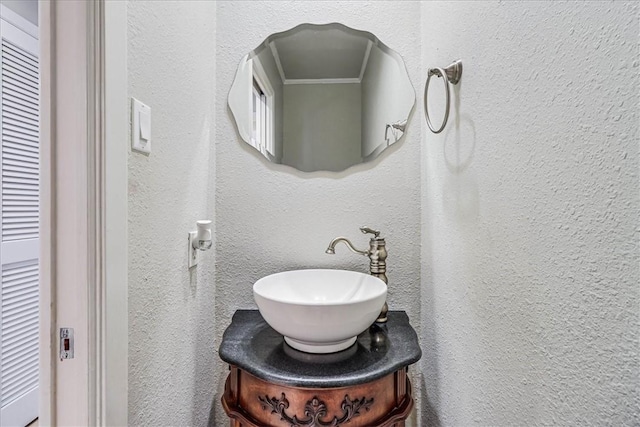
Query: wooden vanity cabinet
{"points": [[252, 402], [273, 385]]}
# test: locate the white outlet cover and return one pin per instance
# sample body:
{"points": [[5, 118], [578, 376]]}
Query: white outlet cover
{"points": [[140, 127]]}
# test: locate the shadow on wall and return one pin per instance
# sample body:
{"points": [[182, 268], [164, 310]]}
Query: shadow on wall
{"points": [[458, 154], [429, 416], [212, 414], [461, 194], [216, 404]]}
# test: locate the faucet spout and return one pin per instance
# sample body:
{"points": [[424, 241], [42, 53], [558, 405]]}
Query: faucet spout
{"points": [[377, 254], [332, 246]]}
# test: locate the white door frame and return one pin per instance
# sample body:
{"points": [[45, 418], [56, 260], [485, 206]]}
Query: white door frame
{"points": [[84, 212]]}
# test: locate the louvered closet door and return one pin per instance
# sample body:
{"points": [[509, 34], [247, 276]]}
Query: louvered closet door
{"points": [[19, 167]]}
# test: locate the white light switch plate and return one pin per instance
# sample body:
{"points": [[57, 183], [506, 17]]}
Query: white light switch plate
{"points": [[140, 127]]}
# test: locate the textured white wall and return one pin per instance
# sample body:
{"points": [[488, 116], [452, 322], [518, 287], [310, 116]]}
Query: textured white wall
{"points": [[171, 67], [530, 216], [271, 217]]}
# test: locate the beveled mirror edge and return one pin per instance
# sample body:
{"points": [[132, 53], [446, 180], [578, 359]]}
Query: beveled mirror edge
{"points": [[231, 101], [274, 36]]}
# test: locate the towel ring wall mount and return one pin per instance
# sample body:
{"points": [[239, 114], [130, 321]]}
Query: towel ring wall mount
{"points": [[451, 74]]}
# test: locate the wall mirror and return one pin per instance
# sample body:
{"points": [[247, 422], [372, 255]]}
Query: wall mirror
{"points": [[321, 97]]}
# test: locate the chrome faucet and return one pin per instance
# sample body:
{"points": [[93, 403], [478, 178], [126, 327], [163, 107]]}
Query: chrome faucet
{"points": [[377, 254]]}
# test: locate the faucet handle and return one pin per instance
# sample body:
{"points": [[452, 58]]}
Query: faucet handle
{"points": [[367, 230]]}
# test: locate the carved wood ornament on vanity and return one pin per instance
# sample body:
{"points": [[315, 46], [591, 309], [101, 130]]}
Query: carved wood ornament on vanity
{"points": [[385, 402], [314, 410]]}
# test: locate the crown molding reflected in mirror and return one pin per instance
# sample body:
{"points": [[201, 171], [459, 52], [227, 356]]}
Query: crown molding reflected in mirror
{"points": [[321, 97]]}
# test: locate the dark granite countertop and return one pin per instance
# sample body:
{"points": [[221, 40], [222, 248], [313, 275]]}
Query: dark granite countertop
{"points": [[255, 347]]}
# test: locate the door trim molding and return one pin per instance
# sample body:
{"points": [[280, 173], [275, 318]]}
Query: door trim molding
{"points": [[83, 46], [47, 409], [95, 197], [109, 120]]}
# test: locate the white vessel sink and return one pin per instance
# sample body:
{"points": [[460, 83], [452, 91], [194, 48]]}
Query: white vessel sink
{"points": [[320, 311]]}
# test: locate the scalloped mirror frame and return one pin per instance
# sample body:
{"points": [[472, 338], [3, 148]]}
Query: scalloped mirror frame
{"points": [[370, 102]]}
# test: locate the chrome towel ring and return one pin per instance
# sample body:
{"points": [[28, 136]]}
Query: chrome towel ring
{"points": [[451, 74]]}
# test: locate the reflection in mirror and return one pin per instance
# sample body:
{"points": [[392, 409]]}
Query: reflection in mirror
{"points": [[321, 97]]}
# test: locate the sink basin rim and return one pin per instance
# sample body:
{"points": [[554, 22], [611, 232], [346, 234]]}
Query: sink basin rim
{"points": [[372, 294]]}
